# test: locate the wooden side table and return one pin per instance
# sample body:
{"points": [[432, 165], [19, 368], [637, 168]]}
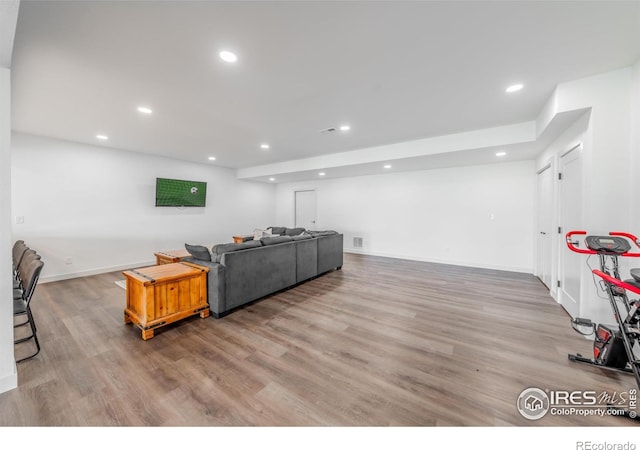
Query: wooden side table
{"points": [[160, 295], [171, 256]]}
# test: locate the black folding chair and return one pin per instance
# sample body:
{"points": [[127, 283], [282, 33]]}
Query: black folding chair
{"points": [[17, 253], [22, 303], [28, 256]]}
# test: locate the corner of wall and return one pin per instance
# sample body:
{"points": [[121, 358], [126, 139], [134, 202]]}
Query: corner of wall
{"points": [[549, 110], [8, 376], [9, 381]]}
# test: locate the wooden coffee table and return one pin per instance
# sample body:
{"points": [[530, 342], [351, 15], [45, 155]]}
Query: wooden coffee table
{"points": [[171, 256], [241, 238], [160, 295]]}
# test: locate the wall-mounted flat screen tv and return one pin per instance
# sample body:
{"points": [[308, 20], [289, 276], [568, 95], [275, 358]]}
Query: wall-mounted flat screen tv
{"points": [[171, 192]]}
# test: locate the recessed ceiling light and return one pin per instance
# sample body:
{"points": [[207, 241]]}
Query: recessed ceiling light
{"points": [[212, 158], [272, 179], [228, 56], [345, 127], [501, 153], [322, 174], [144, 110], [264, 146], [102, 137], [514, 88], [387, 166]]}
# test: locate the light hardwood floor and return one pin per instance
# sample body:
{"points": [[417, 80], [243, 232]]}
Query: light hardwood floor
{"points": [[383, 342]]}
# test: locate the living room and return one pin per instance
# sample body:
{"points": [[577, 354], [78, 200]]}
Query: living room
{"points": [[447, 197]]}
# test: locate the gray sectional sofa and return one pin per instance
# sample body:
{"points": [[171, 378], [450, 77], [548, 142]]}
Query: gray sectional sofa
{"points": [[242, 273]]}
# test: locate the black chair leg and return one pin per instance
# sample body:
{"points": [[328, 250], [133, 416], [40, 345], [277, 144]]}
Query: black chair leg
{"points": [[31, 319], [31, 324], [21, 324], [33, 335], [26, 321]]}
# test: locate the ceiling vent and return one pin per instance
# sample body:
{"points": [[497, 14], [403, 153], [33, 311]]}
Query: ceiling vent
{"points": [[329, 130]]}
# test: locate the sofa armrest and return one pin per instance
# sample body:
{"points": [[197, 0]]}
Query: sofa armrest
{"points": [[330, 252], [215, 285]]}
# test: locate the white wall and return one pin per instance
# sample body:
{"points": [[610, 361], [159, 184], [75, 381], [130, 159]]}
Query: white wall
{"points": [[442, 215], [607, 161], [96, 206], [607, 164], [634, 203], [8, 374], [578, 132]]}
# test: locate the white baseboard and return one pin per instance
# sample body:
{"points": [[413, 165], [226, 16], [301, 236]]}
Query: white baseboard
{"points": [[97, 271], [527, 270]]}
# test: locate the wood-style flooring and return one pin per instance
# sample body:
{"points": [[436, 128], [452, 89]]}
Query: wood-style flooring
{"points": [[382, 342]]}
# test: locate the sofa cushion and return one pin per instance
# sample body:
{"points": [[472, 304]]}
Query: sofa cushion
{"points": [[275, 240], [198, 252], [294, 231], [322, 233], [218, 250], [277, 230], [301, 237], [259, 234]]}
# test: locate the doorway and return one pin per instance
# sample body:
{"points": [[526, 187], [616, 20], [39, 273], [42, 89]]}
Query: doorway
{"points": [[544, 225], [570, 219], [306, 209]]}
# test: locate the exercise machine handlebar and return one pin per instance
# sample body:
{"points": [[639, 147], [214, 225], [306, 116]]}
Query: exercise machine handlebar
{"points": [[572, 244], [629, 236]]}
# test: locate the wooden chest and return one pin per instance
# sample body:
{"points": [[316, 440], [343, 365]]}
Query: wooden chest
{"points": [[171, 256], [160, 295]]}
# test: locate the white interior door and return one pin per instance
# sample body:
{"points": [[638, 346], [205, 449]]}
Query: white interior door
{"points": [[306, 206], [570, 219], [545, 225]]}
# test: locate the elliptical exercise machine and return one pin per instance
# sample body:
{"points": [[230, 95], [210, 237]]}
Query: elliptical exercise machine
{"points": [[613, 349]]}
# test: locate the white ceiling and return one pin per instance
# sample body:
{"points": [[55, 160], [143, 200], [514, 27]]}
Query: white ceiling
{"points": [[395, 71]]}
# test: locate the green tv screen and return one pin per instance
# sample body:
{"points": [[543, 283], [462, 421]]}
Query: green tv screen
{"points": [[180, 192]]}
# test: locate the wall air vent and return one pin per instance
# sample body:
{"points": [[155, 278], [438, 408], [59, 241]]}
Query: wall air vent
{"points": [[357, 242], [328, 130]]}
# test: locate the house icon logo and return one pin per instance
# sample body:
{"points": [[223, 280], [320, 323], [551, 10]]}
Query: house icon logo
{"points": [[533, 403]]}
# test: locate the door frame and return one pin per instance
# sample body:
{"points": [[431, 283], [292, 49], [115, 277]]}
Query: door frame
{"points": [[547, 166], [295, 205], [563, 252]]}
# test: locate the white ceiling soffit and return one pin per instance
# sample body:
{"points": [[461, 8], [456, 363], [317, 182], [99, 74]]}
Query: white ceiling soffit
{"points": [[519, 142], [395, 71]]}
